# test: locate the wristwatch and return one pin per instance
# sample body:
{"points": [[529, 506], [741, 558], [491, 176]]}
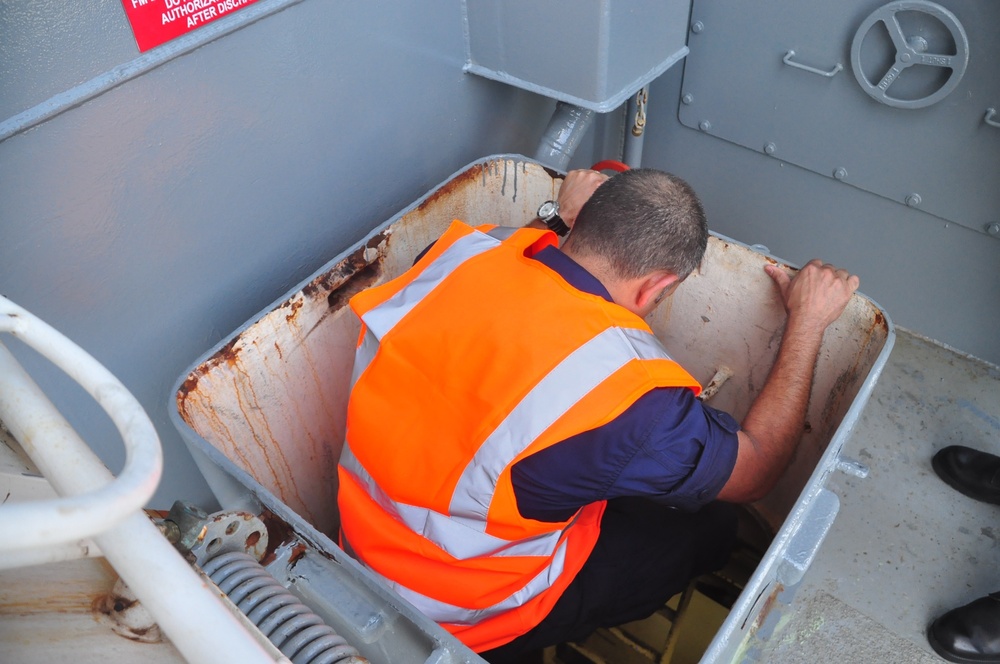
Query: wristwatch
{"points": [[548, 213]]}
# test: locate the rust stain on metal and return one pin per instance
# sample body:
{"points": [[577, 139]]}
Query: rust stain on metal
{"points": [[849, 376], [765, 609], [294, 305], [345, 270], [249, 403], [298, 551], [376, 240], [190, 385], [109, 604], [362, 280], [126, 617], [64, 602], [844, 382], [278, 533], [227, 354], [448, 189]]}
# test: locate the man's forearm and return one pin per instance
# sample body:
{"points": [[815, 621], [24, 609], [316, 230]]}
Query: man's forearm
{"points": [[775, 422]]}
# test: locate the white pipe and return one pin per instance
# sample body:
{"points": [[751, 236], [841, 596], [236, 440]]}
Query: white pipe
{"points": [[49, 554], [93, 500], [187, 609], [57, 450]]}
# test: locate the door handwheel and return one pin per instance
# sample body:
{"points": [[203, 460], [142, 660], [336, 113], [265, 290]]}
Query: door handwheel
{"points": [[910, 51]]}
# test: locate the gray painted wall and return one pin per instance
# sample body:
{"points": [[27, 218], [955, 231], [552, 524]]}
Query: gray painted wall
{"points": [[148, 219], [933, 277], [153, 219]]}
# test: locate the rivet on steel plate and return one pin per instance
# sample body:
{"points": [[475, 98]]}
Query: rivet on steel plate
{"points": [[704, 125], [993, 229], [688, 98], [769, 148], [840, 173], [913, 200], [697, 27]]}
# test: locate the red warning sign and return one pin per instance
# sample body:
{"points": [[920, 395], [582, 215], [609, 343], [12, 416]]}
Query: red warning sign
{"points": [[157, 21]]}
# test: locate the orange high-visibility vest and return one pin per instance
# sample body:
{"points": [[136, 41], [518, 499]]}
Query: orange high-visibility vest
{"points": [[475, 358]]}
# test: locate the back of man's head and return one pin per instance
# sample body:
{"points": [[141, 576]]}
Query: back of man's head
{"points": [[640, 221]]}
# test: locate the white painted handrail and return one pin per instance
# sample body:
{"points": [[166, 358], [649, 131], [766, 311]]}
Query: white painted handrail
{"points": [[92, 501]]}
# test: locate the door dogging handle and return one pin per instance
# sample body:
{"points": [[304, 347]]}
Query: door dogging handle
{"points": [[812, 70]]}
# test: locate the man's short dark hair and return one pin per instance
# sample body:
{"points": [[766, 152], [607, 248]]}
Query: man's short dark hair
{"points": [[643, 220]]}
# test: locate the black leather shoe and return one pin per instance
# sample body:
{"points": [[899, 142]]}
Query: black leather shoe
{"points": [[969, 634], [974, 473]]}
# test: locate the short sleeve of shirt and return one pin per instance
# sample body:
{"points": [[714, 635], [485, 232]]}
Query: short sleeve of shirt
{"points": [[666, 446]]}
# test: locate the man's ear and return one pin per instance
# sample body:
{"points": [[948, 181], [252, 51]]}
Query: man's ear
{"points": [[652, 287]]}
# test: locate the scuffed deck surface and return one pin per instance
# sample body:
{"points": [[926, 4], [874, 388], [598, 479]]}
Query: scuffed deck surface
{"points": [[47, 617], [905, 547]]}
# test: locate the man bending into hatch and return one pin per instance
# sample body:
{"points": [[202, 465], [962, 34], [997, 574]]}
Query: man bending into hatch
{"points": [[524, 462]]}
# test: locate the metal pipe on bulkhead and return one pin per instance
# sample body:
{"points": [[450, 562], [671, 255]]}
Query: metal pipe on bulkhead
{"points": [[562, 137], [635, 113]]}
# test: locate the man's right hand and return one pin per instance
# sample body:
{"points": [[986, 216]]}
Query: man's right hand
{"points": [[576, 190], [816, 296]]}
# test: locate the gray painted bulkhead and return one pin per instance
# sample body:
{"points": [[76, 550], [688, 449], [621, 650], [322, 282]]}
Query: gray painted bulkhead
{"points": [[152, 204]]}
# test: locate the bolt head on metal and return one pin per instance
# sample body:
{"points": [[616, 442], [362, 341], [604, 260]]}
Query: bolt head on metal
{"points": [[704, 125], [913, 200], [688, 98], [769, 148], [697, 27], [993, 229], [917, 43], [840, 173]]}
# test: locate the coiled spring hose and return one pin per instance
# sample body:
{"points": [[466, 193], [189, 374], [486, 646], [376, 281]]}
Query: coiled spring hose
{"points": [[297, 632]]}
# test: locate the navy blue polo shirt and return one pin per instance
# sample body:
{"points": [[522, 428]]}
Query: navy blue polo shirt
{"points": [[667, 446]]}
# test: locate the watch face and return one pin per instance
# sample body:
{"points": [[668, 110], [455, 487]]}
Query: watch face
{"points": [[547, 209]]}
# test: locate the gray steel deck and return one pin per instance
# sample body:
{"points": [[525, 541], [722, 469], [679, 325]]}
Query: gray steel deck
{"points": [[905, 546]]}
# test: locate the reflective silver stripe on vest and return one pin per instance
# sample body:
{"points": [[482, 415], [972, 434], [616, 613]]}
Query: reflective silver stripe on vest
{"points": [[502, 232], [363, 356], [571, 380], [384, 317], [460, 537], [462, 534], [457, 615]]}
